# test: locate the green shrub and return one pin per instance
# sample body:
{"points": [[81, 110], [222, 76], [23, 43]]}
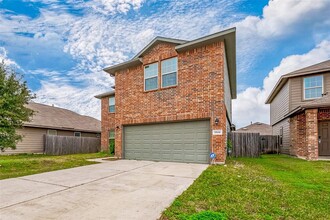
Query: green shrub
{"points": [[112, 146]]}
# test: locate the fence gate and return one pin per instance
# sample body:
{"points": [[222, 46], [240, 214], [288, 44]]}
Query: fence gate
{"points": [[252, 144]]}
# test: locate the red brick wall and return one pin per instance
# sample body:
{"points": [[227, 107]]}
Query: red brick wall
{"points": [[199, 94], [324, 114], [304, 132], [107, 123], [298, 134]]}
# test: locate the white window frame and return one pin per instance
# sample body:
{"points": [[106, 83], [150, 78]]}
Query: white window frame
{"points": [[114, 105], [144, 76], [304, 88], [162, 74], [77, 132], [50, 130]]}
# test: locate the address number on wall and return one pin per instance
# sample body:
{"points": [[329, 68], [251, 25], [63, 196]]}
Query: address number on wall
{"points": [[217, 132]]}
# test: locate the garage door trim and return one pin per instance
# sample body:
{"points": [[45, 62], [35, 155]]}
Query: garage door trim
{"points": [[166, 122]]}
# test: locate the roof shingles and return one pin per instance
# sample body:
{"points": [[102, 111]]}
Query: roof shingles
{"points": [[258, 127], [46, 116]]}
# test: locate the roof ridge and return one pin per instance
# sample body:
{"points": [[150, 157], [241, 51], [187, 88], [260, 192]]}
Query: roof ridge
{"points": [[303, 70], [56, 107]]}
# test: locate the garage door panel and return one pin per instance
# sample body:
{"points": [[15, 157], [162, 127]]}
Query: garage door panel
{"points": [[178, 142]]}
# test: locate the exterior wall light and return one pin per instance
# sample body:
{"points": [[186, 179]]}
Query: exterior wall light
{"points": [[216, 121]]}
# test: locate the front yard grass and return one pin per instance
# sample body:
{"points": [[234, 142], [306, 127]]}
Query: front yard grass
{"points": [[270, 187], [27, 164]]}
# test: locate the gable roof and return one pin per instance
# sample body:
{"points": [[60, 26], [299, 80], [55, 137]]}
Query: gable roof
{"points": [[228, 36], [156, 41], [316, 68], [46, 116], [257, 127]]}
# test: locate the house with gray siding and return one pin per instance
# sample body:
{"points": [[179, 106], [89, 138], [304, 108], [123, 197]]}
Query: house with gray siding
{"points": [[300, 111], [50, 120]]}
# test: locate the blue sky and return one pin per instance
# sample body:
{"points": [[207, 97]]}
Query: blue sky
{"points": [[62, 46]]}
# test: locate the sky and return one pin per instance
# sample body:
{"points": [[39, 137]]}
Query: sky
{"points": [[62, 46]]}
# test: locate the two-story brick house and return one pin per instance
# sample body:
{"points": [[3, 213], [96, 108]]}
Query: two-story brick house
{"points": [[172, 101], [300, 111]]}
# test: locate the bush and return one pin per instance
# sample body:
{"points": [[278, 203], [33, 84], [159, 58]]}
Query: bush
{"points": [[111, 146]]}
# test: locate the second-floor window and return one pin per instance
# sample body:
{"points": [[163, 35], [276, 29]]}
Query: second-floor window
{"points": [[112, 104], [313, 87], [169, 72], [151, 77]]}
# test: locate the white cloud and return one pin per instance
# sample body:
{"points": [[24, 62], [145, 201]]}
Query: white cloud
{"points": [[113, 6], [8, 62], [71, 97], [250, 104], [280, 19], [284, 17]]}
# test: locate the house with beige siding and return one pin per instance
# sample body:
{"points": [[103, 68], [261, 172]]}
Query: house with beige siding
{"points": [[172, 101], [52, 121], [300, 111], [257, 127]]}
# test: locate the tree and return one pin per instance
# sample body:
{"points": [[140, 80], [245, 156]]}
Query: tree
{"points": [[14, 95]]}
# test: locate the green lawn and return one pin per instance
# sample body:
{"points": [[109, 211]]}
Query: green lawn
{"points": [[26, 164], [270, 187]]}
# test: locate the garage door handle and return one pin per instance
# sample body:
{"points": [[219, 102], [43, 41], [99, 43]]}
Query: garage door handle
{"points": [[320, 139]]}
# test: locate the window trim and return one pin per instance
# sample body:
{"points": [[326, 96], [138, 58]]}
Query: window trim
{"points": [[77, 132], [112, 105], [144, 77], [304, 88], [162, 74], [51, 130]]}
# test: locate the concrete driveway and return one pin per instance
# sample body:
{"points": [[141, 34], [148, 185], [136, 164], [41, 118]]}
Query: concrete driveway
{"points": [[123, 189]]}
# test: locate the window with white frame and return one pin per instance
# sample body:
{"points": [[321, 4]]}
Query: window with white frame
{"points": [[169, 72], [112, 104], [313, 87], [52, 132], [77, 134], [151, 77]]}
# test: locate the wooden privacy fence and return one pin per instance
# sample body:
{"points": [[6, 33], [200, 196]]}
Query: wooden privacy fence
{"points": [[269, 143], [61, 145], [252, 144]]}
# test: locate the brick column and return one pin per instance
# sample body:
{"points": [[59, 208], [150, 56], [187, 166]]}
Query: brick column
{"points": [[311, 134]]}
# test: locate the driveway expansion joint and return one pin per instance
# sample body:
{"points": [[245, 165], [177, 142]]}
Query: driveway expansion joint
{"points": [[36, 181]]}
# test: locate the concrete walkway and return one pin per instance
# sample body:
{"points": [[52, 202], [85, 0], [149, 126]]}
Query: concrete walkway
{"points": [[122, 189]]}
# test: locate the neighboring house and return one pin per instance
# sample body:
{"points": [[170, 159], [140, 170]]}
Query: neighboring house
{"points": [[172, 100], [300, 111], [53, 121], [257, 127]]}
